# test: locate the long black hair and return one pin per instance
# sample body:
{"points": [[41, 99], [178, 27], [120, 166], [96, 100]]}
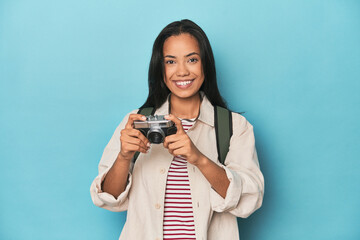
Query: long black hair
{"points": [[158, 91]]}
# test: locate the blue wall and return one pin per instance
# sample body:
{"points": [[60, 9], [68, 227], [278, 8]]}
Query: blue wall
{"points": [[70, 71]]}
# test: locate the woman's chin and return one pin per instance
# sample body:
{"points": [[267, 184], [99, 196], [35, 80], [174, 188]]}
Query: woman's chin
{"points": [[184, 94]]}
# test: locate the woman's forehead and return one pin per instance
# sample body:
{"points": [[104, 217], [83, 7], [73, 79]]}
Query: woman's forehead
{"points": [[182, 44]]}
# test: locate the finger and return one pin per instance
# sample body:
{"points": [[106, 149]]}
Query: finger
{"points": [[176, 138], [175, 145], [137, 134], [177, 123], [171, 152], [133, 140], [179, 152], [171, 138], [134, 148], [132, 118]]}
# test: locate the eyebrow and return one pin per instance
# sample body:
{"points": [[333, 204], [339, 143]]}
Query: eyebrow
{"points": [[188, 55]]}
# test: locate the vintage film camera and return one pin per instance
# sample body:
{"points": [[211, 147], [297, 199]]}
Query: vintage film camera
{"points": [[155, 128]]}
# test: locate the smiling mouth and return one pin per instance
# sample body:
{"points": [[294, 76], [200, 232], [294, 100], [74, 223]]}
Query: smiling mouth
{"points": [[183, 83]]}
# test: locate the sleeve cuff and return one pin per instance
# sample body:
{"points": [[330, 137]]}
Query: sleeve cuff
{"points": [[101, 198], [233, 193]]}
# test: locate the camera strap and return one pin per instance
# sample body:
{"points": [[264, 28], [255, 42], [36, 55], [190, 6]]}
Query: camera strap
{"points": [[223, 130]]}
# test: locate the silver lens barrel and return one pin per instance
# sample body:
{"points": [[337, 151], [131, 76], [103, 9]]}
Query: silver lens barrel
{"points": [[155, 134]]}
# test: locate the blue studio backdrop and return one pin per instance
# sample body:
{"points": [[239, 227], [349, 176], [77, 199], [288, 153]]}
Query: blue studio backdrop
{"points": [[71, 70]]}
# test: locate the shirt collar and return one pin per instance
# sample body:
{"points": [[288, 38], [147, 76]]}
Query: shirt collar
{"points": [[206, 110]]}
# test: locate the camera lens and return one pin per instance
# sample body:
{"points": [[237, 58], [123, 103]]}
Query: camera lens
{"points": [[155, 137]]}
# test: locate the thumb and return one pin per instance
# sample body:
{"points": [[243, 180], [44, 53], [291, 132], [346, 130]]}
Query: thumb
{"points": [[177, 122]]}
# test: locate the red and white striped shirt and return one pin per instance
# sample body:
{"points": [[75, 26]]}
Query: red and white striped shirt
{"points": [[178, 212]]}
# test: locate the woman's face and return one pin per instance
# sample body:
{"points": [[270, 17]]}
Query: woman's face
{"points": [[183, 68]]}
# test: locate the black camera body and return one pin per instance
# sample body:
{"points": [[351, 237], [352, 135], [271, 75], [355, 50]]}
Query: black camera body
{"points": [[155, 128]]}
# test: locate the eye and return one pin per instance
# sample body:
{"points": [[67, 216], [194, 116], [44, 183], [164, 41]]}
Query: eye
{"points": [[170, 62], [193, 60]]}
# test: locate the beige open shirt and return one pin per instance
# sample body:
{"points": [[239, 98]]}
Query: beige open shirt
{"points": [[214, 217]]}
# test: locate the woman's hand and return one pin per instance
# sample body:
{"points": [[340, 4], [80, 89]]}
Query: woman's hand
{"points": [[132, 140], [181, 144]]}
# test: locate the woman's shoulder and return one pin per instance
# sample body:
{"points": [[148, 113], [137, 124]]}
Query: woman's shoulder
{"points": [[240, 123]]}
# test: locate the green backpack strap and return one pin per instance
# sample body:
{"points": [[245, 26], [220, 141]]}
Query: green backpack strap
{"points": [[144, 111], [223, 130]]}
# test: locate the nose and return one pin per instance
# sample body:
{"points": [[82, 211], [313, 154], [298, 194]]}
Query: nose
{"points": [[182, 70]]}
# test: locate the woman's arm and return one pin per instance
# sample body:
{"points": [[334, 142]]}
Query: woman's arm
{"points": [[238, 186], [246, 188], [132, 140], [181, 144], [111, 187], [116, 179], [215, 175]]}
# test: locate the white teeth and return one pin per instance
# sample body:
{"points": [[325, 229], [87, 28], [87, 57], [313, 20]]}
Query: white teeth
{"points": [[183, 83]]}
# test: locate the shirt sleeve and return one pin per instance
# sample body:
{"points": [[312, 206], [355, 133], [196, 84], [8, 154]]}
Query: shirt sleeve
{"points": [[104, 199], [246, 189]]}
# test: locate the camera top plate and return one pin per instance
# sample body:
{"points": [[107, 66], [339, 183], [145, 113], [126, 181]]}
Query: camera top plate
{"points": [[152, 121]]}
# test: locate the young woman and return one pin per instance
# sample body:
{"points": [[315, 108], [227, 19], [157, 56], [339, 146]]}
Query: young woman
{"points": [[178, 189]]}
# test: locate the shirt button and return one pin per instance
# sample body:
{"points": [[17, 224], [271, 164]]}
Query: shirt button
{"points": [[162, 171], [157, 206]]}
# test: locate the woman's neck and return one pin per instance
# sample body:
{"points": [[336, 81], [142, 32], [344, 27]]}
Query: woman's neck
{"points": [[185, 108]]}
